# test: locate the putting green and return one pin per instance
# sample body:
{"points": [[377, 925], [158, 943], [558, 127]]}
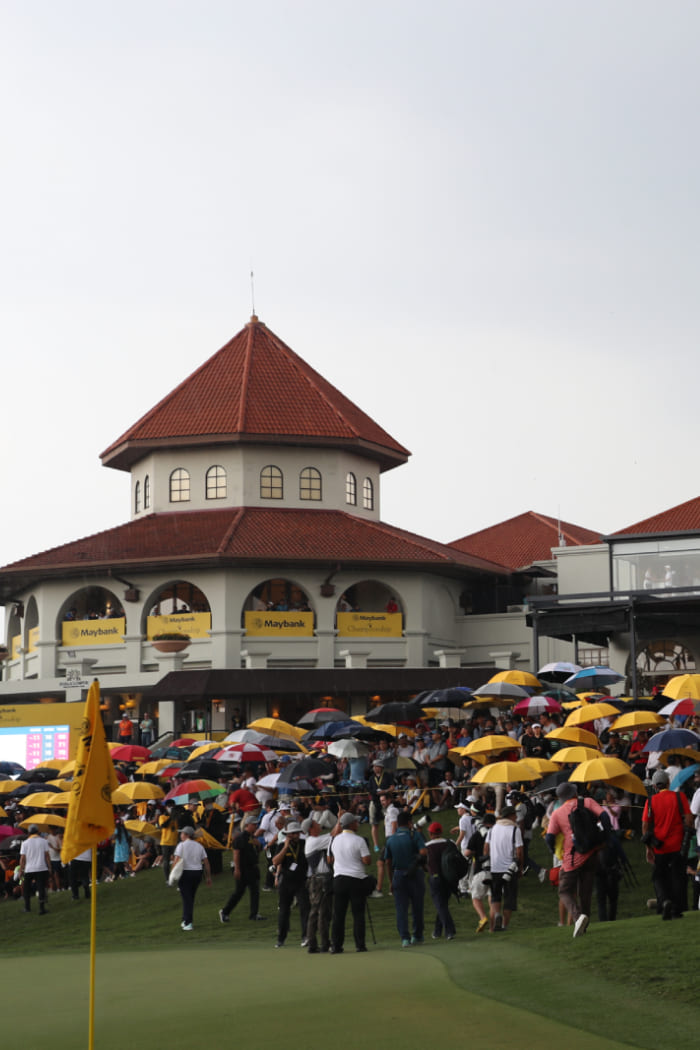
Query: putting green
{"points": [[263, 998]]}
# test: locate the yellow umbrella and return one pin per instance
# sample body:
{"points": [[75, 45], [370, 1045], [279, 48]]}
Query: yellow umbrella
{"points": [[491, 701], [589, 713], [689, 752], [140, 792], [542, 765], [602, 768], [156, 765], [50, 763], [43, 799], [67, 770], [141, 827], [44, 820], [120, 799], [3, 813], [457, 754], [591, 697], [629, 782], [489, 745], [524, 678], [60, 785], [574, 735], [390, 728], [682, 686], [7, 785], [637, 720], [201, 750], [575, 755], [277, 727], [506, 773]]}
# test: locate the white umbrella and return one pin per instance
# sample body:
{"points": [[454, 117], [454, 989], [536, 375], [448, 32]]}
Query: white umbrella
{"points": [[348, 749]]}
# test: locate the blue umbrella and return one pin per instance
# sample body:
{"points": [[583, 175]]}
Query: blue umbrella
{"points": [[593, 678], [685, 774], [669, 738]]}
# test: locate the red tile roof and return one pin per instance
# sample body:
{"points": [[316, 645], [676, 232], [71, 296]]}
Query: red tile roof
{"points": [[520, 541], [683, 518], [251, 535], [255, 388]]}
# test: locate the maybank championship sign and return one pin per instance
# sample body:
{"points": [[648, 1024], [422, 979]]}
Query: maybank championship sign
{"points": [[93, 632], [280, 623], [370, 625], [194, 625]]}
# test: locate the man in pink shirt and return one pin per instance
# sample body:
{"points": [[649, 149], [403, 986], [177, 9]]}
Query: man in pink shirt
{"points": [[578, 870]]}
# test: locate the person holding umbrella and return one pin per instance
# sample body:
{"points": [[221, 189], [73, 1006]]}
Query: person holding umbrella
{"points": [[194, 860]]}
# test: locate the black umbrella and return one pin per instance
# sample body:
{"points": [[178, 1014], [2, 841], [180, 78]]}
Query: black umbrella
{"points": [[39, 776], [306, 769], [396, 711], [319, 715], [12, 843], [206, 768], [13, 768], [550, 783], [22, 789], [455, 696]]}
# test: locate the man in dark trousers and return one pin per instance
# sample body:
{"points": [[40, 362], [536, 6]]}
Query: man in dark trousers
{"points": [[291, 866], [246, 872], [664, 820]]}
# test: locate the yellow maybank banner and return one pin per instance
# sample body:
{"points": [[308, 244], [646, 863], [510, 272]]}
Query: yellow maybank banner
{"points": [[287, 623], [196, 625], [370, 624], [93, 632]]}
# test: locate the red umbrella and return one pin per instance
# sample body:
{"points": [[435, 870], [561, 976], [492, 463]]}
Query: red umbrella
{"points": [[129, 753], [537, 705], [246, 753], [686, 706], [184, 741]]}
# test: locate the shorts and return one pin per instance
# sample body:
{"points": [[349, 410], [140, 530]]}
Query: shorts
{"points": [[506, 892]]}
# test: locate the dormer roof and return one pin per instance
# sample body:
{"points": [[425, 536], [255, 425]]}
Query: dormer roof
{"points": [[255, 390], [523, 540]]}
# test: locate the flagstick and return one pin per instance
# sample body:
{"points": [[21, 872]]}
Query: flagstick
{"points": [[93, 940]]}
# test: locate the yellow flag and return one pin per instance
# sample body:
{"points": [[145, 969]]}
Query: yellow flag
{"points": [[90, 812]]}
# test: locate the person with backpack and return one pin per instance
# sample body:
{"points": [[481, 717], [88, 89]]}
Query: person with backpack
{"points": [[576, 820], [440, 889], [404, 855]]}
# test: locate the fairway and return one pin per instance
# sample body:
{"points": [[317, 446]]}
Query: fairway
{"points": [[262, 999]]}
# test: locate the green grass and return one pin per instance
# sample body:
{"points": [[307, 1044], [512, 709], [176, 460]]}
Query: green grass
{"points": [[619, 984]]}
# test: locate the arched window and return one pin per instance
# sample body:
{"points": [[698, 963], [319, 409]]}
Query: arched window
{"points": [[271, 483], [216, 483], [180, 486], [351, 489], [146, 492], [137, 497], [368, 494], [310, 484]]}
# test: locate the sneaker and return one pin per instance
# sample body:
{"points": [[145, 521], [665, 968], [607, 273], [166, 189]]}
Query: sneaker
{"points": [[279, 944], [581, 925], [258, 918], [405, 944], [305, 943], [336, 951], [223, 917], [436, 936], [667, 910], [417, 940], [376, 894], [450, 936], [482, 924], [542, 874], [498, 923], [187, 927]]}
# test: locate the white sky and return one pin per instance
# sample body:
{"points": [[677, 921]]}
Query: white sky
{"points": [[479, 221]]}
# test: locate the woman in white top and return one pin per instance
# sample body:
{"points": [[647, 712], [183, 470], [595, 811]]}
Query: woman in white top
{"points": [[194, 859]]}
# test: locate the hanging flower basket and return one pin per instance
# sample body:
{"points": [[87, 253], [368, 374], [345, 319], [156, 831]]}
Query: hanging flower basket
{"points": [[170, 643]]}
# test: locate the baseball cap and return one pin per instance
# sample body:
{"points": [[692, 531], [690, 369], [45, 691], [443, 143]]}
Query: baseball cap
{"points": [[348, 819], [435, 828]]}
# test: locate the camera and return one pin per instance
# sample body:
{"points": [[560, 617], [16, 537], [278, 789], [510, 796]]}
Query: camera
{"points": [[486, 869], [513, 869]]}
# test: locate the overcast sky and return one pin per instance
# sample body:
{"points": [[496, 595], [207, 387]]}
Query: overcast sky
{"points": [[479, 221]]}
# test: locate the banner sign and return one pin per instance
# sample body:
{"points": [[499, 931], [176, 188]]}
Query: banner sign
{"points": [[93, 632], [280, 623], [370, 624], [196, 625]]}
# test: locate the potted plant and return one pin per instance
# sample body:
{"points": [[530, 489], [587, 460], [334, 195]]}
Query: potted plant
{"points": [[170, 642]]}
